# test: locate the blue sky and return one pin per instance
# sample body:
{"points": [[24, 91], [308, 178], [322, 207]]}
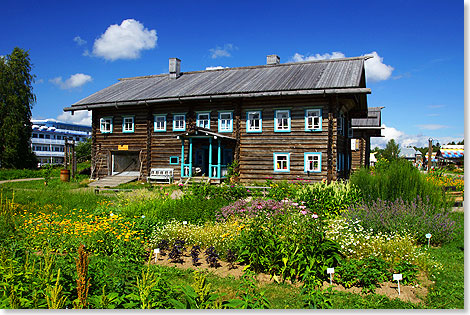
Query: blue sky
{"points": [[80, 47]]}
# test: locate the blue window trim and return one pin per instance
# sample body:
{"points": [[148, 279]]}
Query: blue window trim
{"points": [[177, 160], [340, 162], [111, 119], [275, 154], [198, 120], [179, 129], [321, 119], [133, 124], [288, 121], [155, 122], [220, 121], [260, 121], [305, 161]]}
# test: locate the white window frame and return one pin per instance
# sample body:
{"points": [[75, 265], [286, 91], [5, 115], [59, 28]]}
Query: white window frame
{"points": [[225, 125], [311, 157], [285, 121], [177, 122], [251, 127], [156, 124], [282, 155], [204, 123], [127, 130], [108, 121], [310, 115]]}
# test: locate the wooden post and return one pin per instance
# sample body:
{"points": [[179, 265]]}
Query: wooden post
{"points": [[182, 157], [73, 159], [218, 158], [66, 146], [148, 155], [210, 157], [190, 157], [237, 113], [429, 154]]}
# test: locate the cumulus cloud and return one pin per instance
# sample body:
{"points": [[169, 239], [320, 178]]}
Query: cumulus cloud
{"points": [[376, 70], [405, 140], [125, 41], [82, 117], [79, 41], [432, 126], [222, 51], [74, 81], [215, 68]]}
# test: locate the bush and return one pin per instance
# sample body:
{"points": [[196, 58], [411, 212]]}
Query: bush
{"points": [[417, 217], [366, 273], [398, 179]]}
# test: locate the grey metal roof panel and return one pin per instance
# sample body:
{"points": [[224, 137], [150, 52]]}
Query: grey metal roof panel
{"points": [[325, 74], [373, 119]]}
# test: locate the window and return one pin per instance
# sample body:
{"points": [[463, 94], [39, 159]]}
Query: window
{"points": [[227, 157], [106, 125], [313, 119], [174, 160], [254, 122], [225, 122], [204, 120], [41, 136], [128, 124], [340, 162], [341, 124], [282, 121], [281, 162], [350, 130], [312, 162], [35, 135], [179, 122], [47, 136], [159, 123]]}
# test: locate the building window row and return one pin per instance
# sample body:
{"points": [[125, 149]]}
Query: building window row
{"points": [[48, 148], [254, 121], [312, 162]]}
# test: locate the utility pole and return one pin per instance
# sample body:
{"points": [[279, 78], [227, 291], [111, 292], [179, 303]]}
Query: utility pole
{"points": [[429, 154]]}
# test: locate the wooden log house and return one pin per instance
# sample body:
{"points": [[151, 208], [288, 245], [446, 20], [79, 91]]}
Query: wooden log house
{"points": [[281, 121]]}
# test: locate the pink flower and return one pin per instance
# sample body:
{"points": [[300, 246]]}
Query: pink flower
{"points": [[315, 216], [302, 207], [303, 212]]}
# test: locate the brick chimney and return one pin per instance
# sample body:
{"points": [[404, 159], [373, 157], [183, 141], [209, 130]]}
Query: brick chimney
{"points": [[175, 66], [273, 60]]}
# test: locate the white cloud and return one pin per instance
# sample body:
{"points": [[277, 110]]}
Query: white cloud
{"points": [[222, 51], [432, 126], [405, 140], [124, 41], [82, 117], [215, 68], [334, 55], [79, 40], [74, 81], [376, 70]]}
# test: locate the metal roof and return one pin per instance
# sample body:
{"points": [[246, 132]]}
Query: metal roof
{"points": [[372, 121], [300, 78], [407, 153]]}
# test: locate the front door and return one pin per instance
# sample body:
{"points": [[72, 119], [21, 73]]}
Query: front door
{"points": [[126, 163]]}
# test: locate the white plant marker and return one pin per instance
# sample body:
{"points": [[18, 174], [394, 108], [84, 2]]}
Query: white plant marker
{"points": [[428, 236], [156, 251], [330, 271], [397, 277], [185, 222]]}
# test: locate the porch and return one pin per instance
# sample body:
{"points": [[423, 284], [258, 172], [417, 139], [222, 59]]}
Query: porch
{"points": [[205, 153]]}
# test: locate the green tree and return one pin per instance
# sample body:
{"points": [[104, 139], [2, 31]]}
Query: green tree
{"points": [[16, 102], [83, 150], [391, 150]]}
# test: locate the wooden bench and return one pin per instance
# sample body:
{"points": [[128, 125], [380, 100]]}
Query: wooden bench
{"points": [[457, 196], [161, 175]]}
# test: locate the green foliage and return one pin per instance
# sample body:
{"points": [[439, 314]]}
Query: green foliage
{"points": [[227, 192], [250, 296], [314, 298], [199, 295], [408, 271], [47, 173], [327, 200], [83, 150], [391, 151], [232, 172], [16, 102], [398, 179], [366, 273]]}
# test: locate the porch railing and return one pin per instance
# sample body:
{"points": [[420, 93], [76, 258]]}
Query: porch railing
{"points": [[186, 170], [214, 171]]}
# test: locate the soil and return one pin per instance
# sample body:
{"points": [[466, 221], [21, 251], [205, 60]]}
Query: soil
{"points": [[408, 293]]}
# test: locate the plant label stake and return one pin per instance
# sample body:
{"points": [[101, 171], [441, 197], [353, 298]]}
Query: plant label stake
{"points": [[428, 236], [330, 271], [185, 222], [156, 251], [397, 277]]}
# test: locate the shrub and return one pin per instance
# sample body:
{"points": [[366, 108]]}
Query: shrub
{"points": [[398, 179], [366, 273], [417, 217], [249, 209]]}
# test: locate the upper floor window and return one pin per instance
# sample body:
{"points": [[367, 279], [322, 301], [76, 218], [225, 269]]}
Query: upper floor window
{"points": [[128, 124], [35, 135], [106, 125], [225, 122], [204, 120], [159, 123], [282, 121], [254, 121], [313, 119], [281, 162], [312, 162], [179, 122]]}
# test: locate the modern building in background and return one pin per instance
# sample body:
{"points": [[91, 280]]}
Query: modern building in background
{"points": [[48, 139]]}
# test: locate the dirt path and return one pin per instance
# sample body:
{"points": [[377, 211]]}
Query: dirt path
{"points": [[20, 180]]}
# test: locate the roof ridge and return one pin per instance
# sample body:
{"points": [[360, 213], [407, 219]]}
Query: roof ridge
{"points": [[252, 67]]}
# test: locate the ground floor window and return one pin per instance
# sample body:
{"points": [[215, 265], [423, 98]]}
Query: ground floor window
{"points": [[312, 162], [281, 162]]}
